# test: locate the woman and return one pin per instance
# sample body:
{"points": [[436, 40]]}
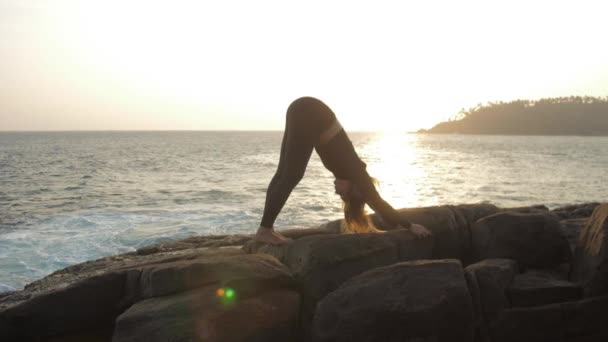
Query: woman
{"points": [[311, 124]]}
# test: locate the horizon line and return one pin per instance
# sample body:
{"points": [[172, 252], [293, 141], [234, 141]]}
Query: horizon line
{"points": [[173, 130]]}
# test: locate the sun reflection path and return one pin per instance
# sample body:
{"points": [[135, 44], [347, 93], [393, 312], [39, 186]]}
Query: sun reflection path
{"points": [[394, 159]]}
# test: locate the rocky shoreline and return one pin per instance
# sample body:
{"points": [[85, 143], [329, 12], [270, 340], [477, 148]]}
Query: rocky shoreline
{"points": [[486, 274]]}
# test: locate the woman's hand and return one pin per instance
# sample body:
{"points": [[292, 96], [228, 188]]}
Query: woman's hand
{"points": [[420, 231]]}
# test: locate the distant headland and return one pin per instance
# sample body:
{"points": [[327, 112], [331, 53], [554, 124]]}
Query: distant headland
{"points": [[573, 115]]}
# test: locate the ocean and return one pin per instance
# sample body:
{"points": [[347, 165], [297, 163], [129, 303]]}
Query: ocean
{"points": [[69, 197]]}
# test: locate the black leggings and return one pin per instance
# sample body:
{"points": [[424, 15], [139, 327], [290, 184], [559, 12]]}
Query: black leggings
{"points": [[306, 119]]}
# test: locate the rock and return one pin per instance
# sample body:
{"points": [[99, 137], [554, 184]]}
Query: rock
{"points": [[450, 230], [474, 212], [200, 315], [449, 224], [575, 211], [120, 263], [88, 307], [321, 263], [590, 265], [86, 298], [572, 230], [407, 301], [297, 233], [536, 324], [520, 237], [194, 243], [537, 288], [533, 209], [583, 320], [586, 320], [488, 281], [258, 270]]}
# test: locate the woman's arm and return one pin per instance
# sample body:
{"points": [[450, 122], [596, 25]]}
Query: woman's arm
{"points": [[369, 192]]}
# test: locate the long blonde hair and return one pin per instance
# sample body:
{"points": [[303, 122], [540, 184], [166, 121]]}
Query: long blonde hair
{"points": [[356, 219]]}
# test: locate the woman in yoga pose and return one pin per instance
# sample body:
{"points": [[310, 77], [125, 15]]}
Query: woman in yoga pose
{"points": [[311, 124]]}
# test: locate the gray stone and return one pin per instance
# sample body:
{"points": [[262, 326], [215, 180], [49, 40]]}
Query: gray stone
{"points": [[84, 300], [583, 320], [583, 210], [258, 270], [572, 230], [88, 306], [201, 315], [586, 319], [407, 301], [452, 238], [537, 288], [534, 240], [488, 281], [543, 323], [474, 212], [321, 263]]}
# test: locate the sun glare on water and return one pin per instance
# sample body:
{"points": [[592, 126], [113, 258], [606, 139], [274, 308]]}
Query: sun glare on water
{"points": [[393, 158]]}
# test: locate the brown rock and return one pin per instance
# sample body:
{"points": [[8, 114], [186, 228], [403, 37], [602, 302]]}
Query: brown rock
{"points": [[534, 240], [590, 266], [407, 301], [200, 315]]}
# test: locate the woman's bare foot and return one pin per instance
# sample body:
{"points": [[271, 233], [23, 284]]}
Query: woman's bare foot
{"points": [[269, 236]]}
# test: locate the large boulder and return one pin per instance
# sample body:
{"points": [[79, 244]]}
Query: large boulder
{"points": [[255, 271], [87, 307], [583, 210], [590, 265], [449, 227], [407, 301], [534, 240], [576, 321], [537, 288], [476, 211], [535, 324], [195, 242], [201, 315], [488, 281], [572, 229], [84, 300], [321, 263]]}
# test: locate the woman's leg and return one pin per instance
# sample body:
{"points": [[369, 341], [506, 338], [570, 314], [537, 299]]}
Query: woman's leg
{"points": [[299, 140]]}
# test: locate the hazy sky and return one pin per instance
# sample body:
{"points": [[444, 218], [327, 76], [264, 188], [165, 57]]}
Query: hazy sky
{"points": [[206, 65]]}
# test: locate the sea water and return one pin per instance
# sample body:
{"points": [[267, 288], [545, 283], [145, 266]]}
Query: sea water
{"points": [[69, 197]]}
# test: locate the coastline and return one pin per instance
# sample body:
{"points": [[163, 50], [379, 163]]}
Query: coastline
{"points": [[108, 298]]}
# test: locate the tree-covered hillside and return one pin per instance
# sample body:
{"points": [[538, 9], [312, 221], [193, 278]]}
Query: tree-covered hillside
{"points": [[573, 115]]}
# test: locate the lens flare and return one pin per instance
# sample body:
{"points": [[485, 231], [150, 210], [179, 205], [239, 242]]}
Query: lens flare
{"points": [[229, 293], [226, 294]]}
